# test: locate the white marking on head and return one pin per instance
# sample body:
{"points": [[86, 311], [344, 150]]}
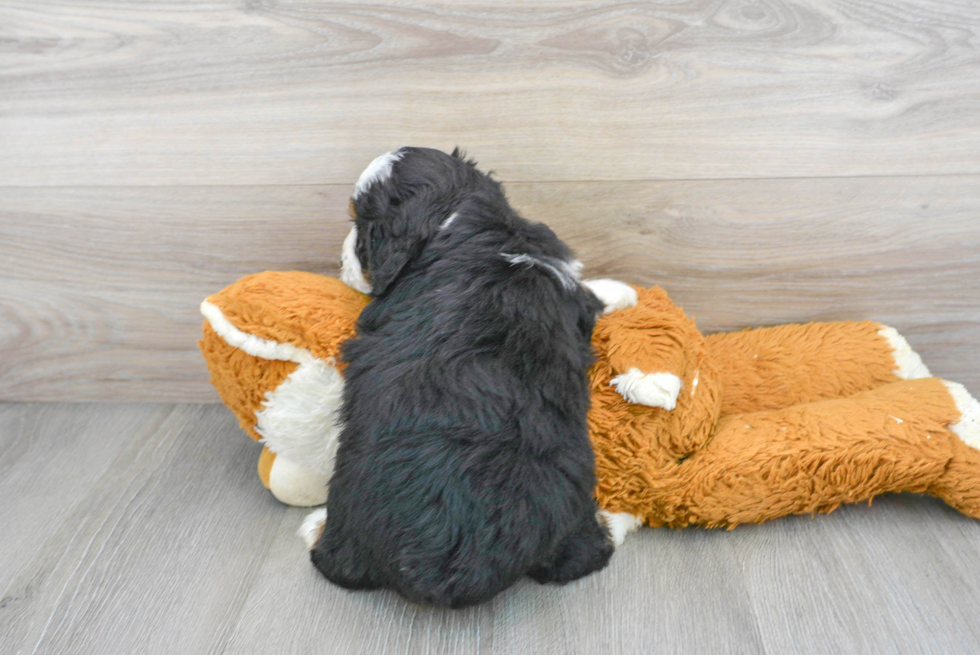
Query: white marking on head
{"points": [[568, 273], [449, 221], [350, 266], [377, 171], [251, 344]]}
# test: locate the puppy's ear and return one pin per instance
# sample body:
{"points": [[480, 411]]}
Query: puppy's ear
{"points": [[590, 307], [392, 257]]}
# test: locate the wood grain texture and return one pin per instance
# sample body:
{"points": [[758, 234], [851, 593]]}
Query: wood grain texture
{"points": [[658, 592], [159, 555], [109, 92], [99, 288], [51, 456], [889, 567], [164, 541]]}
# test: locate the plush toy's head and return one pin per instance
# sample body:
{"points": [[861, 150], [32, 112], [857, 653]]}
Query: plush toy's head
{"points": [[271, 342]]}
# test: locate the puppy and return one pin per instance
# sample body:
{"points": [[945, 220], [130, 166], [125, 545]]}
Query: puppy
{"points": [[464, 461]]}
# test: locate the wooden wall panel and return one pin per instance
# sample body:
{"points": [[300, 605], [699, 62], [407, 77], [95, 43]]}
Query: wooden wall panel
{"points": [[160, 92], [99, 287]]}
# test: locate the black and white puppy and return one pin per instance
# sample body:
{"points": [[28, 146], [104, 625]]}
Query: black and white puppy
{"points": [[464, 460]]}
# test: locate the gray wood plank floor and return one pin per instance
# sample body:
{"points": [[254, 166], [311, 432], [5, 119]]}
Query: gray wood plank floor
{"points": [[142, 528]]}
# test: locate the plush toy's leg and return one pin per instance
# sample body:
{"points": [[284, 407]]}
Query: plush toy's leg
{"points": [[292, 483], [773, 368], [814, 457], [959, 485]]}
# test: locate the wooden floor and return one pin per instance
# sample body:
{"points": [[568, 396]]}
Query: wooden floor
{"points": [[141, 528]]}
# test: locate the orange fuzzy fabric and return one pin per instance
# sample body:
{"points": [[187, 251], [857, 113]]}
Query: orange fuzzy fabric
{"points": [[785, 420], [266, 459], [776, 367], [802, 459], [310, 311], [241, 379], [769, 422]]}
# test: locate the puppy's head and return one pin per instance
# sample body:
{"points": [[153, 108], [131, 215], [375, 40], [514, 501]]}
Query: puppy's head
{"points": [[400, 201]]}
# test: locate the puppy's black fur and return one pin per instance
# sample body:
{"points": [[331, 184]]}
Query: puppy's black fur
{"points": [[464, 462]]}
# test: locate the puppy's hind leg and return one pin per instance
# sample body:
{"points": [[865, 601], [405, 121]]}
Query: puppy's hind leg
{"points": [[340, 561], [583, 551]]}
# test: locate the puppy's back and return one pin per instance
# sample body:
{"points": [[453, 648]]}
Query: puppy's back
{"points": [[465, 461]]}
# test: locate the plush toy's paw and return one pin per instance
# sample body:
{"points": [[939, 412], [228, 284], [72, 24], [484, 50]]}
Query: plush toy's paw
{"points": [[297, 485], [612, 293], [312, 527], [968, 427], [651, 389], [619, 525], [908, 364]]}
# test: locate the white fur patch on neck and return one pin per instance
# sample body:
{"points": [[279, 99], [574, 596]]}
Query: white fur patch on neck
{"points": [[908, 364], [568, 273], [378, 170], [351, 273], [968, 427]]}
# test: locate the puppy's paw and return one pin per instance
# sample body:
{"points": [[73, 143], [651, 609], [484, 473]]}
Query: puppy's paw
{"points": [[619, 525], [312, 527], [612, 293], [651, 389]]}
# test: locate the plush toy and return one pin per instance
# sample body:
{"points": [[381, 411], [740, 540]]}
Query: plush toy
{"points": [[271, 343], [687, 429]]}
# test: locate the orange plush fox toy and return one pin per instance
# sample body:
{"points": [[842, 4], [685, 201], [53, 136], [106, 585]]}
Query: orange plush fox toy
{"points": [[687, 429]]}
